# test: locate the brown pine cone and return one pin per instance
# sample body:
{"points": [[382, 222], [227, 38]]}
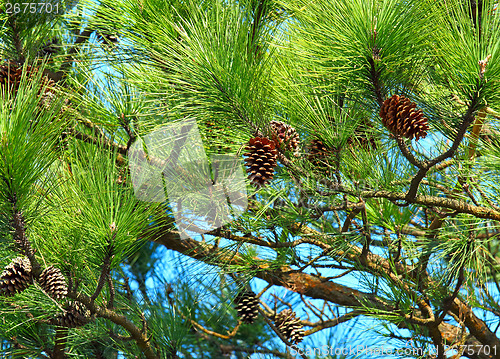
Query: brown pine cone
{"points": [[288, 325], [16, 276], [285, 136], [53, 282], [261, 160], [402, 119]]}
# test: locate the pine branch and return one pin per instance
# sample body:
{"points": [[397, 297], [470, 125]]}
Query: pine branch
{"points": [[323, 324], [98, 141], [467, 119], [312, 286], [229, 335], [139, 337], [354, 212], [120, 337], [375, 79], [111, 300], [448, 301], [430, 201], [60, 343], [104, 274], [408, 154], [126, 125], [316, 287], [23, 242], [425, 200]]}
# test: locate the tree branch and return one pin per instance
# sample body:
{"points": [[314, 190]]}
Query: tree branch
{"points": [[316, 287], [467, 119], [425, 200], [406, 152], [329, 323], [100, 141], [60, 343], [139, 337]]}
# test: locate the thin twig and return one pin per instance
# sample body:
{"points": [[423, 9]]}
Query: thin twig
{"points": [[104, 273], [230, 334], [467, 119], [329, 323], [142, 341], [406, 152], [99, 141]]}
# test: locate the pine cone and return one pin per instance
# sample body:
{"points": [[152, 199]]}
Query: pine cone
{"points": [[16, 277], [261, 160], [289, 326], [247, 306], [285, 136], [10, 75], [318, 152], [362, 137], [53, 282], [400, 117], [75, 315]]}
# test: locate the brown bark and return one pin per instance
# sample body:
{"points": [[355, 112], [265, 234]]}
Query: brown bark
{"points": [[60, 344]]}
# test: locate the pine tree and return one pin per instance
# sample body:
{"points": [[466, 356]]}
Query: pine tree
{"points": [[249, 178]]}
